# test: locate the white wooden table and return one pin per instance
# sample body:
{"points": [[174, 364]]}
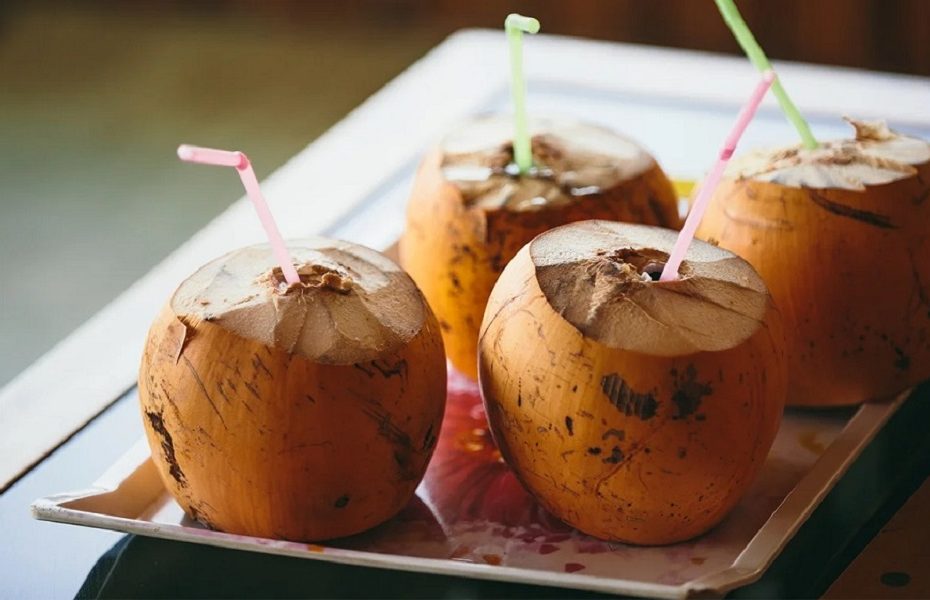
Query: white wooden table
{"points": [[353, 180]]}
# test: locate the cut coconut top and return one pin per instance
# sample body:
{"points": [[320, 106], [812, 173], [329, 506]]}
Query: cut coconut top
{"points": [[596, 275], [353, 304], [571, 159], [876, 156]]}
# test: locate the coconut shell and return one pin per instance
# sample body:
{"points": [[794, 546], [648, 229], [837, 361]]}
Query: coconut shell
{"points": [[634, 410], [848, 266], [467, 217], [302, 413]]}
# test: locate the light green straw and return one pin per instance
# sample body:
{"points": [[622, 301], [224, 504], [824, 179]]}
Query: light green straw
{"points": [[752, 49], [515, 25]]}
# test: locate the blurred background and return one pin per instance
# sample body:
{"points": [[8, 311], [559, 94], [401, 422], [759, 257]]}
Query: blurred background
{"points": [[96, 95]]}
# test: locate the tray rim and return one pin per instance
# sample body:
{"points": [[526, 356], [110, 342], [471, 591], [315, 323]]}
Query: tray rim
{"points": [[747, 567]]}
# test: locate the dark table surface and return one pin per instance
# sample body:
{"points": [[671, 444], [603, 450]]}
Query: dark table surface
{"points": [[45, 560]]}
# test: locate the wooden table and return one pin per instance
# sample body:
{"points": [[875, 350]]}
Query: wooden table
{"points": [[352, 183]]}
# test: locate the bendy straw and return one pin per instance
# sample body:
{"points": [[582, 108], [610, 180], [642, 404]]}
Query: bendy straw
{"points": [[670, 271], [225, 158]]}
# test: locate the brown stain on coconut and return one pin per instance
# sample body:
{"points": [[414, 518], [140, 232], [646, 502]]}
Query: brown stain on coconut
{"points": [[167, 446], [642, 405], [851, 212], [461, 233], [689, 392]]}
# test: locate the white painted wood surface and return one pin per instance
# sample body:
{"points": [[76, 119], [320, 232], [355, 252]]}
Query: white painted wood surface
{"points": [[91, 368]]}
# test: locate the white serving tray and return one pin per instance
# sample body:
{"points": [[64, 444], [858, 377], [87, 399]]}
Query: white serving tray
{"points": [[471, 518]]}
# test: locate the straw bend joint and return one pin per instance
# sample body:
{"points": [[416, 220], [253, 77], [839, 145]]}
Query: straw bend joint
{"points": [[515, 22], [243, 161]]}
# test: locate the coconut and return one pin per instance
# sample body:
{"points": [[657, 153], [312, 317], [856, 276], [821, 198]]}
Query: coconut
{"points": [[841, 236], [471, 211], [301, 412], [635, 410]]}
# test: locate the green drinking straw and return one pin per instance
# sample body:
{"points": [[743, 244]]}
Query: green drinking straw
{"points": [[752, 49], [515, 25]]}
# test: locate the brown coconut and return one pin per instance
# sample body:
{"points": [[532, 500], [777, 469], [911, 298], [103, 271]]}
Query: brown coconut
{"points": [[470, 212], [300, 412], [841, 236], [635, 410]]}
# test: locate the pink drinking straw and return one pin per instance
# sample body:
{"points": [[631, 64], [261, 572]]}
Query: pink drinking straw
{"points": [[225, 158], [670, 272]]}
